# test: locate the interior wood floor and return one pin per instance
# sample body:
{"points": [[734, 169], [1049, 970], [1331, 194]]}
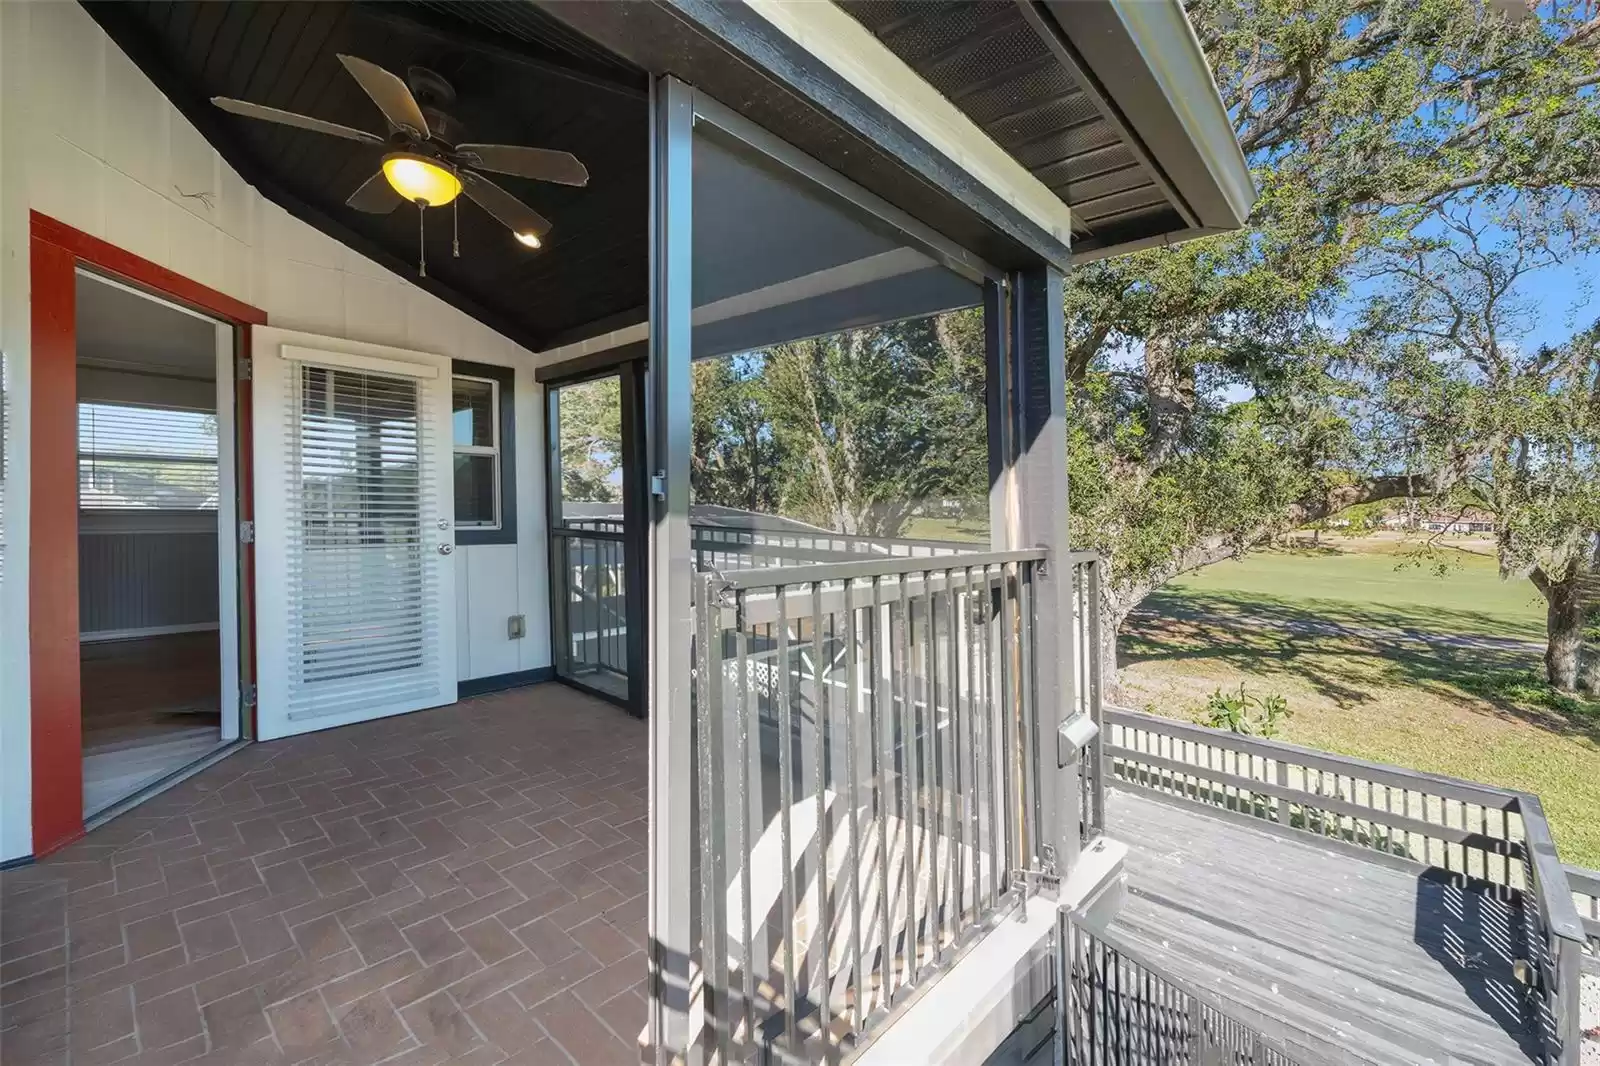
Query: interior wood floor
{"points": [[151, 706]]}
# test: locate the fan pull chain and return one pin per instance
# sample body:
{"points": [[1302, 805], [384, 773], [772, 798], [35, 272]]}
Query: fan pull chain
{"points": [[455, 226], [422, 239]]}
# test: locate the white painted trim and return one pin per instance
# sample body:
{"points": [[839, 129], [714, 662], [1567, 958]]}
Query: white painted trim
{"points": [[106, 636], [850, 50], [270, 393], [227, 533], [323, 357]]}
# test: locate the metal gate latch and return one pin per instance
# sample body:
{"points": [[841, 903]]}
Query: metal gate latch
{"points": [[1031, 880]]}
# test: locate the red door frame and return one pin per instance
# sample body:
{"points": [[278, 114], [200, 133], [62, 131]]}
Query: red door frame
{"points": [[55, 252]]}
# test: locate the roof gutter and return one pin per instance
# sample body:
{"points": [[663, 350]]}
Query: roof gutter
{"points": [[1144, 56]]}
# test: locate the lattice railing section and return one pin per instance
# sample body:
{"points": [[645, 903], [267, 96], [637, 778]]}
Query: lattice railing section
{"points": [[863, 753], [1491, 838]]}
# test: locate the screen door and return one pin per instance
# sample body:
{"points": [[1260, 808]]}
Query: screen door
{"points": [[354, 532]]}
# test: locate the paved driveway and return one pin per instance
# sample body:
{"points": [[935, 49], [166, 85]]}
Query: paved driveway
{"points": [[460, 885]]}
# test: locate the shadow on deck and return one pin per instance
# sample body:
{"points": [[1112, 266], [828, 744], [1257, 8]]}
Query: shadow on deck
{"points": [[1380, 964]]}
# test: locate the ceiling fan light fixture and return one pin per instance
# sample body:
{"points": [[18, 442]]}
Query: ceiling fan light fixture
{"points": [[417, 177], [528, 239]]}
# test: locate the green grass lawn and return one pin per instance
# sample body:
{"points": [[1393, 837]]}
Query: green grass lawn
{"points": [[1337, 631]]}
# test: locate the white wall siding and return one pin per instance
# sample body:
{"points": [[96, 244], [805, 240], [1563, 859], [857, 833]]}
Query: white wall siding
{"points": [[87, 139]]}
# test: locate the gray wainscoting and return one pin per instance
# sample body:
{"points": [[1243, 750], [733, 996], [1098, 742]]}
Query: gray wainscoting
{"points": [[146, 573]]}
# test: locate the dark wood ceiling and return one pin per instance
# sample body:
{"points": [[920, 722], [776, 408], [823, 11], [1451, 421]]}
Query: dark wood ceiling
{"points": [[1000, 63], [520, 78]]}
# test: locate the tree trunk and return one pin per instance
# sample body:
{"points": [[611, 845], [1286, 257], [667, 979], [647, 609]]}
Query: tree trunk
{"points": [[1563, 621], [1589, 669]]}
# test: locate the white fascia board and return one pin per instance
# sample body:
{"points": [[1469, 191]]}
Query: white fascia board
{"points": [[849, 49]]}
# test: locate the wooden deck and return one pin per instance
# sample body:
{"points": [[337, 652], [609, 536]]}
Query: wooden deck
{"points": [[1370, 964], [1381, 964]]}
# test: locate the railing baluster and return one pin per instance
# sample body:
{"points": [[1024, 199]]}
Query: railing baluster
{"points": [[952, 765], [1015, 857], [1028, 713], [853, 716], [713, 816], [929, 802], [822, 936], [908, 782], [995, 751], [883, 671], [748, 784], [974, 787], [791, 1029]]}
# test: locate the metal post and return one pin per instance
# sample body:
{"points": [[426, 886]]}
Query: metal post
{"points": [[1038, 414], [668, 432]]}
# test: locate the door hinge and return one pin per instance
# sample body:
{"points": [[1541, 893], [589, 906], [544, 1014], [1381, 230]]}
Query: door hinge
{"points": [[247, 697], [243, 368], [247, 532]]}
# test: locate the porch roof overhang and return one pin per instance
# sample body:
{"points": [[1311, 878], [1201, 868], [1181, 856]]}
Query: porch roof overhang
{"points": [[1134, 150], [1109, 103]]}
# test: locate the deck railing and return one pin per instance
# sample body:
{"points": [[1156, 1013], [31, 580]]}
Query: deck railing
{"points": [[1585, 886], [1118, 1009], [863, 757], [591, 579], [1088, 693], [1494, 837]]}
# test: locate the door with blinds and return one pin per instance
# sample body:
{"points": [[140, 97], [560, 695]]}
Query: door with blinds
{"points": [[354, 531]]}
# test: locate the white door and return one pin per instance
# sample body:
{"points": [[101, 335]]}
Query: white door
{"points": [[355, 603]]}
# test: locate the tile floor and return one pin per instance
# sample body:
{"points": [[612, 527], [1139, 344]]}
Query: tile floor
{"points": [[462, 885]]}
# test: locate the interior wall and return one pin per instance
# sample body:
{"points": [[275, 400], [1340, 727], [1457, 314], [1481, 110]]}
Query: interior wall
{"points": [[143, 573], [87, 139]]}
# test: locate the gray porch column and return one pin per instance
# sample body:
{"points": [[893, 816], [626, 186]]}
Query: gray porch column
{"points": [[1037, 367], [671, 566]]}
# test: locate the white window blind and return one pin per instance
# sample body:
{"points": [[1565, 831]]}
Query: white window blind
{"points": [[134, 458], [363, 602]]}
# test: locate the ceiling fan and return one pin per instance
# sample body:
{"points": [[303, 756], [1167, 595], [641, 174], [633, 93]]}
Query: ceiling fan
{"points": [[426, 163]]}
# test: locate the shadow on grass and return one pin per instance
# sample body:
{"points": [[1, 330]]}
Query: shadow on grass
{"points": [[1347, 650]]}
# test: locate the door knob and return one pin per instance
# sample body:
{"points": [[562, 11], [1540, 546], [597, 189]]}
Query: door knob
{"points": [[446, 549]]}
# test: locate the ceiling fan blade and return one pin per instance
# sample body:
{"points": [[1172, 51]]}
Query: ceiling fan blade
{"points": [[376, 196], [509, 211], [290, 118], [389, 93], [541, 164]]}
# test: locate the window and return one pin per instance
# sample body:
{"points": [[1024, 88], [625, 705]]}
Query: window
{"points": [[474, 403], [133, 458], [481, 436]]}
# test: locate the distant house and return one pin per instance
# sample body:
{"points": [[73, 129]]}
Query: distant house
{"points": [[1470, 520]]}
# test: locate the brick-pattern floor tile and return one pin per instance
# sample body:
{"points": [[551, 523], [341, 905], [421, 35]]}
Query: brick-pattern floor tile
{"points": [[463, 886]]}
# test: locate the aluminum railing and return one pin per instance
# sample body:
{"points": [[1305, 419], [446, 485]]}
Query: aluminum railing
{"points": [[862, 751], [1585, 886], [1114, 1008], [1088, 697], [590, 598], [1493, 836]]}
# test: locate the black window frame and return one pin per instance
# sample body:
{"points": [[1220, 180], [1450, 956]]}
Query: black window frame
{"points": [[505, 378]]}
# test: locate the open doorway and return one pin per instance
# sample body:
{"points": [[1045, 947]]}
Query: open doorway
{"points": [[156, 534], [597, 532]]}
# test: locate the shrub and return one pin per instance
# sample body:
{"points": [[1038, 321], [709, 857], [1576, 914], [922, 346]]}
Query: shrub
{"points": [[1240, 712]]}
